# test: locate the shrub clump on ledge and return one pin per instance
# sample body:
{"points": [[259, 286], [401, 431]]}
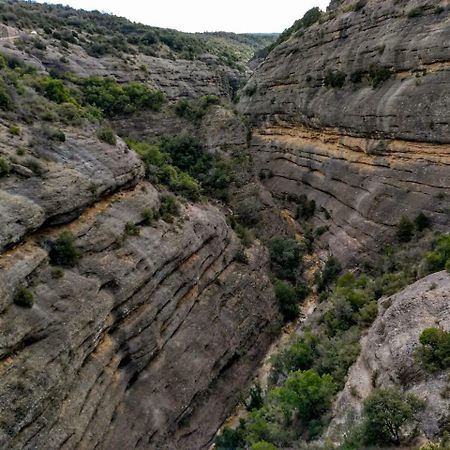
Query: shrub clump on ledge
{"points": [[63, 251]]}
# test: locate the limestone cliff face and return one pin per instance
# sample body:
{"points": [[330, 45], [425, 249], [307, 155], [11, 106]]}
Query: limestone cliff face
{"points": [[150, 339], [367, 151], [387, 356]]}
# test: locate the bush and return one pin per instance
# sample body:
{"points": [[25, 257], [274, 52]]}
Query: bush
{"points": [[387, 415], [5, 99], [422, 222], [439, 258], [14, 129], [169, 208], [287, 300], [231, 439], [378, 75], [334, 79], [305, 208], [256, 399], [263, 445], [4, 167], [113, 98], [248, 212], [195, 110], [405, 230], [434, 350], [285, 257], [149, 217], [63, 251], [329, 273], [106, 134], [24, 298], [55, 91], [307, 393], [131, 229]]}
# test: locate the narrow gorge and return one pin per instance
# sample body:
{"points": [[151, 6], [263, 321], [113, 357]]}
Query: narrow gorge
{"points": [[169, 200]]}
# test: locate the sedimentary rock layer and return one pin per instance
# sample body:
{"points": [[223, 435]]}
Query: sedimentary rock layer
{"points": [[368, 150], [119, 351]]}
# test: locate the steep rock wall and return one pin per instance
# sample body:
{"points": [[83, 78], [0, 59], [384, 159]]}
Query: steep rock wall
{"points": [[366, 154], [120, 351], [387, 357]]}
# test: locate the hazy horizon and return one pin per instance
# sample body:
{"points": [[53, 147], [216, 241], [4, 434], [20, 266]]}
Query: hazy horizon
{"points": [[199, 16]]}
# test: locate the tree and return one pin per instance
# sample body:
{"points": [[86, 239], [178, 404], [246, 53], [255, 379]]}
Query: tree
{"points": [[287, 299], [284, 257], [307, 393], [388, 413], [434, 351], [405, 230]]}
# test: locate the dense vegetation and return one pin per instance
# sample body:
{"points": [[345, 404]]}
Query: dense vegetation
{"points": [[101, 34], [330, 345]]}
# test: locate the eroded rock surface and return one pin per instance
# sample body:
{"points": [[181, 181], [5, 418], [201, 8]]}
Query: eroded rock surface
{"points": [[368, 152], [387, 356], [119, 351]]}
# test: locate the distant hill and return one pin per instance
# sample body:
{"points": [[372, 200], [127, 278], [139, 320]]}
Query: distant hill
{"points": [[103, 34]]}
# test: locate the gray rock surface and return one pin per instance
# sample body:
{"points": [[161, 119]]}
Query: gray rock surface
{"points": [[122, 350], [66, 179], [387, 356], [367, 155]]}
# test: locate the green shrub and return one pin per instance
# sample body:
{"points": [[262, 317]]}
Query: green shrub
{"points": [[405, 230], [53, 134], [245, 235], [263, 445], [231, 439], [24, 298], [195, 110], [5, 99], [422, 222], [387, 414], [241, 256], [149, 216], [305, 208], [115, 99], [285, 257], [378, 75], [131, 229], [307, 393], [4, 167], [63, 251], [14, 129], [106, 134], [56, 91], [169, 208], [287, 300], [329, 273], [439, 258], [256, 398], [415, 12], [334, 78], [248, 212], [434, 350]]}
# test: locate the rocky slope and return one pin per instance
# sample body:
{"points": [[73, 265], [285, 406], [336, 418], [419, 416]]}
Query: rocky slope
{"points": [[387, 356], [119, 351], [353, 112]]}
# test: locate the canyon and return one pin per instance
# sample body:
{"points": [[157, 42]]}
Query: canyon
{"points": [[157, 332]]}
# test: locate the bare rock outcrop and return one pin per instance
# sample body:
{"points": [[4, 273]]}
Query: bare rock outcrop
{"points": [[387, 357], [353, 112], [119, 351], [63, 180]]}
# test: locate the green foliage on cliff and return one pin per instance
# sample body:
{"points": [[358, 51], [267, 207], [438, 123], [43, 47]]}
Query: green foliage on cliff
{"points": [[102, 34], [310, 18], [434, 349], [63, 251], [114, 99], [388, 414], [439, 258], [24, 298]]}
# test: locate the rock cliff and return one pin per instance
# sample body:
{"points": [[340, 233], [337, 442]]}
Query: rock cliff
{"points": [[119, 351], [353, 112], [387, 356]]}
